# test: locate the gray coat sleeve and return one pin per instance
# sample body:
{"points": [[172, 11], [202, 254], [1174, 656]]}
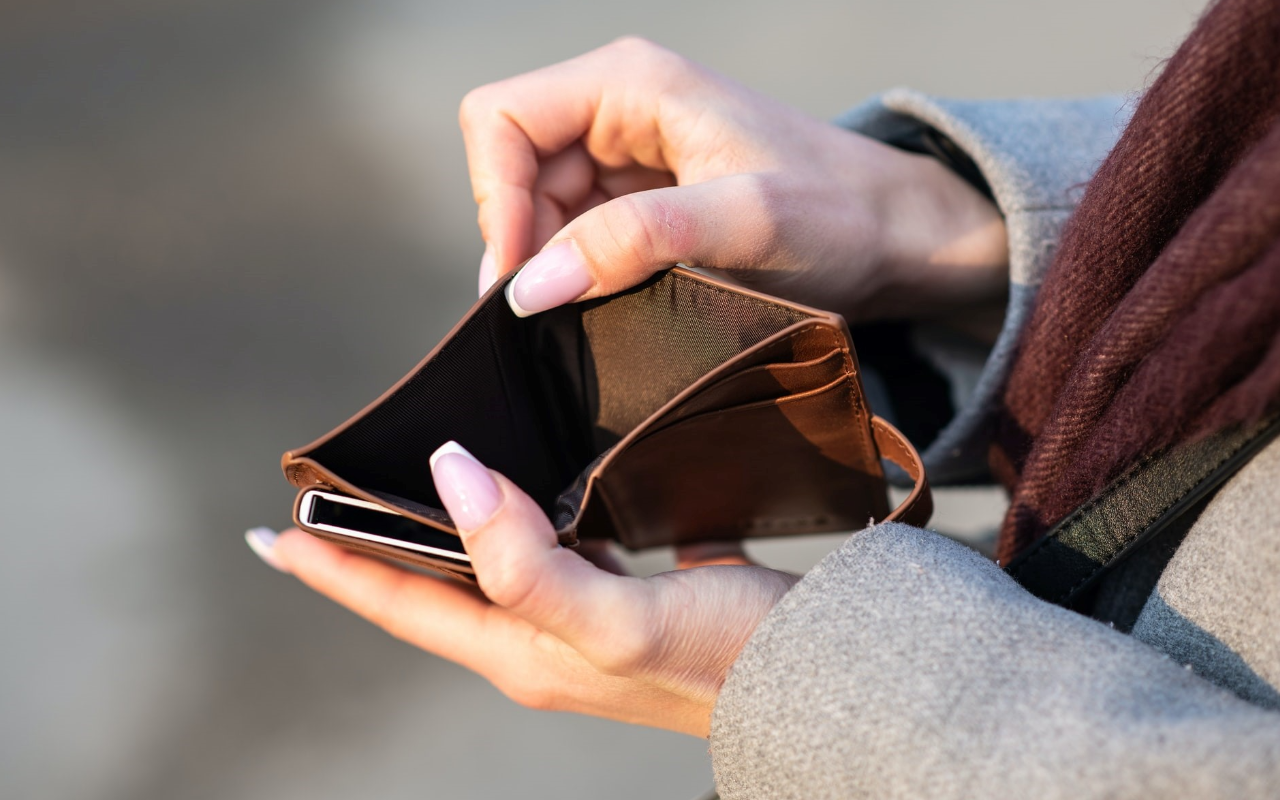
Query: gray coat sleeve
{"points": [[905, 665], [1036, 155]]}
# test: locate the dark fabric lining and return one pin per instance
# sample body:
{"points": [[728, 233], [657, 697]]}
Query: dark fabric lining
{"points": [[649, 344], [539, 399]]}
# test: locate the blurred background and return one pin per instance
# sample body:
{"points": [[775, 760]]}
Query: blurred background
{"points": [[225, 226]]}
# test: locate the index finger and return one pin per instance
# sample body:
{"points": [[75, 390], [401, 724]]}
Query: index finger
{"points": [[509, 125], [441, 616], [506, 127]]}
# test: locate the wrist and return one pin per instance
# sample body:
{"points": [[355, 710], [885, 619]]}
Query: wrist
{"points": [[944, 244]]}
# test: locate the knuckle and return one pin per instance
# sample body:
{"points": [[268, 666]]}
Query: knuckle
{"points": [[764, 192], [509, 586], [770, 204], [647, 56], [476, 105], [635, 45], [626, 228], [644, 232], [652, 227], [674, 226], [624, 658], [629, 651], [532, 692]]}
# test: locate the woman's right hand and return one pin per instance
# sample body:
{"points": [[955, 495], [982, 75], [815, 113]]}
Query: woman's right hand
{"points": [[621, 162]]}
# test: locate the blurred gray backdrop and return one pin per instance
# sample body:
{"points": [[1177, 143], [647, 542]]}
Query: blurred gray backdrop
{"points": [[226, 225]]}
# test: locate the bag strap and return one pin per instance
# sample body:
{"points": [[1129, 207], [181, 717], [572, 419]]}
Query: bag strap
{"points": [[1133, 511], [918, 506]]}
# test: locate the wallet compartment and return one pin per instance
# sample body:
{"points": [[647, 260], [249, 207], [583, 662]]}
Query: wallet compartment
{"points": [[764, 382], [543, 399], [756, 469]]}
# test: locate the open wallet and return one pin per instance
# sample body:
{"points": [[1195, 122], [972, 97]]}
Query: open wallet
{"points": [[683, 410]]}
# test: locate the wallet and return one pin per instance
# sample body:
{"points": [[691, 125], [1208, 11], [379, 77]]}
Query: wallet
{"points": [[683, 410]]}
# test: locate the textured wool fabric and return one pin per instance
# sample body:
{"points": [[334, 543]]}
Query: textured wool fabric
{"points": [[1226, 630], [905, 665], [1156, 320]]}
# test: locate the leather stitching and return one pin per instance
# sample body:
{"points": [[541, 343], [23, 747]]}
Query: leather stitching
{"points": [[906, 458]]}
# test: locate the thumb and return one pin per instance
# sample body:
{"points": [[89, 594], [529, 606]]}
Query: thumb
{"points": [[725, 222], [520, 565]]}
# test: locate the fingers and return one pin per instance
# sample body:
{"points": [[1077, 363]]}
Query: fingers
{"points": [[442, 616], [570, 183], [454, 621], [565, 180], [511, 126], [521, 566], [506, 128], [724, 223]]}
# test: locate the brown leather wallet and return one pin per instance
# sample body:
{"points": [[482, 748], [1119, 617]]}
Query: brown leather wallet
{"points": [[683, 410]]}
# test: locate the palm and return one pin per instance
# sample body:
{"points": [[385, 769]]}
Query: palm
{"points": [[655, 658]]}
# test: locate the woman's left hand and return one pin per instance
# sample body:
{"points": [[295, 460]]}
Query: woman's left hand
{"points": [[550, 628]]}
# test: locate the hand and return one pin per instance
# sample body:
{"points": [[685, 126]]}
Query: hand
{"points": [[552, 629], [621, 162]]}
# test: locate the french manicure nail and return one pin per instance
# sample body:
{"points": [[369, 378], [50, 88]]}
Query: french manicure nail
{"points": [[552, 278], [488, 269], [469, 492], [262, 541]]}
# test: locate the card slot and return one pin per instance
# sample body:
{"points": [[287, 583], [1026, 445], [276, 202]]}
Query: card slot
{"points": [[763, 382], [807, 356], [781, 401], [760, 469], [805, 344]]}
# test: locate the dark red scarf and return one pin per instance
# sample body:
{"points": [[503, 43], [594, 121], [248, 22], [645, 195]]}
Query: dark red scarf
{"points": [[1159, 318]]}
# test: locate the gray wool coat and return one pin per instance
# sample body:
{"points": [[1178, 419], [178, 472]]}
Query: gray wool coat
{"points": [[906, 665]]}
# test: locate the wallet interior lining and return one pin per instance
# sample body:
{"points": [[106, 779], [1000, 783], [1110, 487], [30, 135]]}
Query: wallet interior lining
{"points": [[540, 398]]}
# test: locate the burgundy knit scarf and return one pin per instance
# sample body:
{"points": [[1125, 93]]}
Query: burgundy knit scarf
{"points": [[1159, 318]]}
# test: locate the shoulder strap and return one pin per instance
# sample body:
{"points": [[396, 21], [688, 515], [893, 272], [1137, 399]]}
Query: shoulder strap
{"points": [[918, 506], [1133, 511]]}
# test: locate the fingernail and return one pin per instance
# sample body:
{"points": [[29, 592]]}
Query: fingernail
{"points": [[262, 541], [552, 278], [469, 492], [488, 269]]}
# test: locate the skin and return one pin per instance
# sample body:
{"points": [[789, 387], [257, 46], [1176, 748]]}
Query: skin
{"points": [[555, 630], [669, 163]]}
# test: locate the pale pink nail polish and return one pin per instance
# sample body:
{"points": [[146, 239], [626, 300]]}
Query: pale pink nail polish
{"points": [[555, 276], [468, 491], [262, 541], [488, 269]]}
